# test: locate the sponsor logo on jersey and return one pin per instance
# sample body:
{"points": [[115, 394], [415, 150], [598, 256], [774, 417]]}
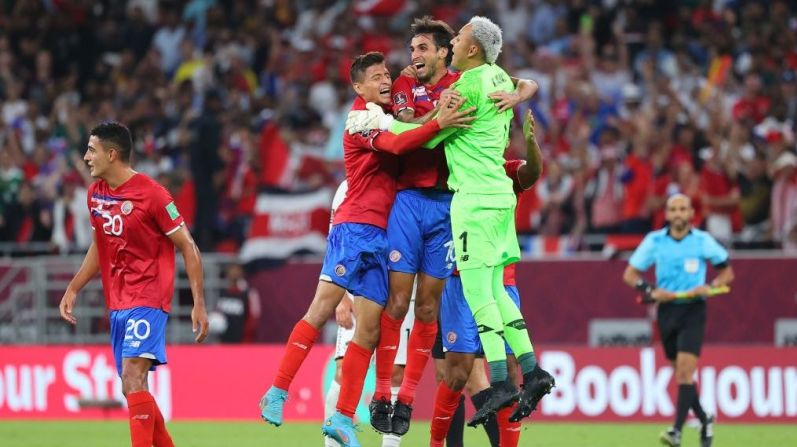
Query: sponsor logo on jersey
{"points": [[395, 256], [464, 258], [451, 337], [127, 207], [172, 210], [340, 270], [400, 99]]}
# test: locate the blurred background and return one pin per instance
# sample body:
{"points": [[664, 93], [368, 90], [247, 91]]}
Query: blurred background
{"points": [[237, 107]]}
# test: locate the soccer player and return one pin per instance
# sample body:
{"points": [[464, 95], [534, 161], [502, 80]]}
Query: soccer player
{"points": [[460, 335], [356, 256], [136, 227], [346, 321], [419, 232], [679, 253]]}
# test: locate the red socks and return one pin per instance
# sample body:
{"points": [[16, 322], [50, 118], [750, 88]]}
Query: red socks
{"points": [[298, 346], [445, 404], [509, 431], [355, 366], [419, 348], [390, 333], [161, 437], [147, 426]]}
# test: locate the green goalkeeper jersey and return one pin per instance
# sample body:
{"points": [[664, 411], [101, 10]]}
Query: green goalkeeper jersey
{"points": [[475, 156]]}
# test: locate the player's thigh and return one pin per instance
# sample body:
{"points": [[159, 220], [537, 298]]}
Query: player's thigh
{"points": [[478, 224], [135, 371], [356, 260], [368, 312], [427, 298], [438, 244], [401, 286], [405, 233], [326, 299], [457, 327]]}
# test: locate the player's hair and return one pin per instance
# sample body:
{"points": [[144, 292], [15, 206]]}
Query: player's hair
{"points": [[362, 62], [677, 196], [116, 135], [488, 36], [440, 31]]}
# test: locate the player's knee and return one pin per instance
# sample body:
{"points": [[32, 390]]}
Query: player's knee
{"points": [[426, 310], [398, 305], [132, 381], [456, 378]]}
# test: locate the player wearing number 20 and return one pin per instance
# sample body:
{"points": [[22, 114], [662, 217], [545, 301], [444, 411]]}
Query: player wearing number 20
{"points": [[136, 227], [679, 253]]}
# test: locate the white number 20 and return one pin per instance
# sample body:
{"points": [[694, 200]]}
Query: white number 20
{"points": [[113, 224], [137, 328]]}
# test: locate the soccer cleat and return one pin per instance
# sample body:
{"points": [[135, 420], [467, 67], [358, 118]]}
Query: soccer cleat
{"points": [[341, 429], [272, 404], [671, 437], [707, 431], [402, 413], [534, 389], [503, 395], [380, 415]]}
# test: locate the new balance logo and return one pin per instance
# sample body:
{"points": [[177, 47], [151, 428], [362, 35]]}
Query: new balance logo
{"points": [[445, 418], [300, 346], [389, 348], [140, 416], [423, 351], [464, 258]]}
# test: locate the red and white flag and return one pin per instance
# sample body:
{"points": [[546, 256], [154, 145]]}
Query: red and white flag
{"points": [[288, 223]]}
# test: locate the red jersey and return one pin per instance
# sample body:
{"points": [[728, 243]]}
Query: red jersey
{"points": [[371, 170], [512, 168], [131, 226], [421, 168]]}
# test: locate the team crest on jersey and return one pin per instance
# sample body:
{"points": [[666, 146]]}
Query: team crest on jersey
{"points": [[451, 337], [127, 207], [395, 256], [340, 270], [400, 99]]}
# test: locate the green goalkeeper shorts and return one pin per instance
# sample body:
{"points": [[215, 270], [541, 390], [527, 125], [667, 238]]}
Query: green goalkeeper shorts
{"points": [[483, 226]]}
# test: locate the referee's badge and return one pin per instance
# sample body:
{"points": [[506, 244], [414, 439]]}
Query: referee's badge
{"points": [[451, 337], [395, 256], [691, 265]]}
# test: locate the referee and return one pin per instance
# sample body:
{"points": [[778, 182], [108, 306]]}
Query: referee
{"points": [[679, 253]]}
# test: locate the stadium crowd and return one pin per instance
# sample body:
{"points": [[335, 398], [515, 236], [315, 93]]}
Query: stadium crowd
{"points": [[638, 99]]}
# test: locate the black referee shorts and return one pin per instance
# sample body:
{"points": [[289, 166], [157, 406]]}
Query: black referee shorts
{"points": [[682, 327]]}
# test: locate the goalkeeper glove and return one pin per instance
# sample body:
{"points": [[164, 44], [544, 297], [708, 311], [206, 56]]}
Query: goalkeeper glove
{"points": [[373, 117]]}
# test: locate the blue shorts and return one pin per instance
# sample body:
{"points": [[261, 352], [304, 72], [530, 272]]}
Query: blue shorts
{"points": [[139, 332], [356, 260], [456, 320], [419, 233]]}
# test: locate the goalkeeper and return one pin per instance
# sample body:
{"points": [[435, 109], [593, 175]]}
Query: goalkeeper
{"points": [[482, 218]]}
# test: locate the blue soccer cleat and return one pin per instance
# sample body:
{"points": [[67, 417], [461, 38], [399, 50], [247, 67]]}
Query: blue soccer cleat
{"points": [[272, 404], [341, 428]]}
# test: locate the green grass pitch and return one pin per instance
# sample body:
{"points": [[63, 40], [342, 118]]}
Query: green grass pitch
{"points": [[246, 434]]}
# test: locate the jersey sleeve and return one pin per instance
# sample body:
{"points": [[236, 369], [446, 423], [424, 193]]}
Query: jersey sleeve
{"points": [[715, 253], [512, 168], [164, 211], [643, 256], [403, 99], [89, 193]]}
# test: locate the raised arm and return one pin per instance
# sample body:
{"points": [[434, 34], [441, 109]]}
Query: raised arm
{"points": [[193, 266], [531, 171]]}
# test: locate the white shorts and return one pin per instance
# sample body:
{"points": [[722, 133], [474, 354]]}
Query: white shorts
{"points": [[345, 335]]}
